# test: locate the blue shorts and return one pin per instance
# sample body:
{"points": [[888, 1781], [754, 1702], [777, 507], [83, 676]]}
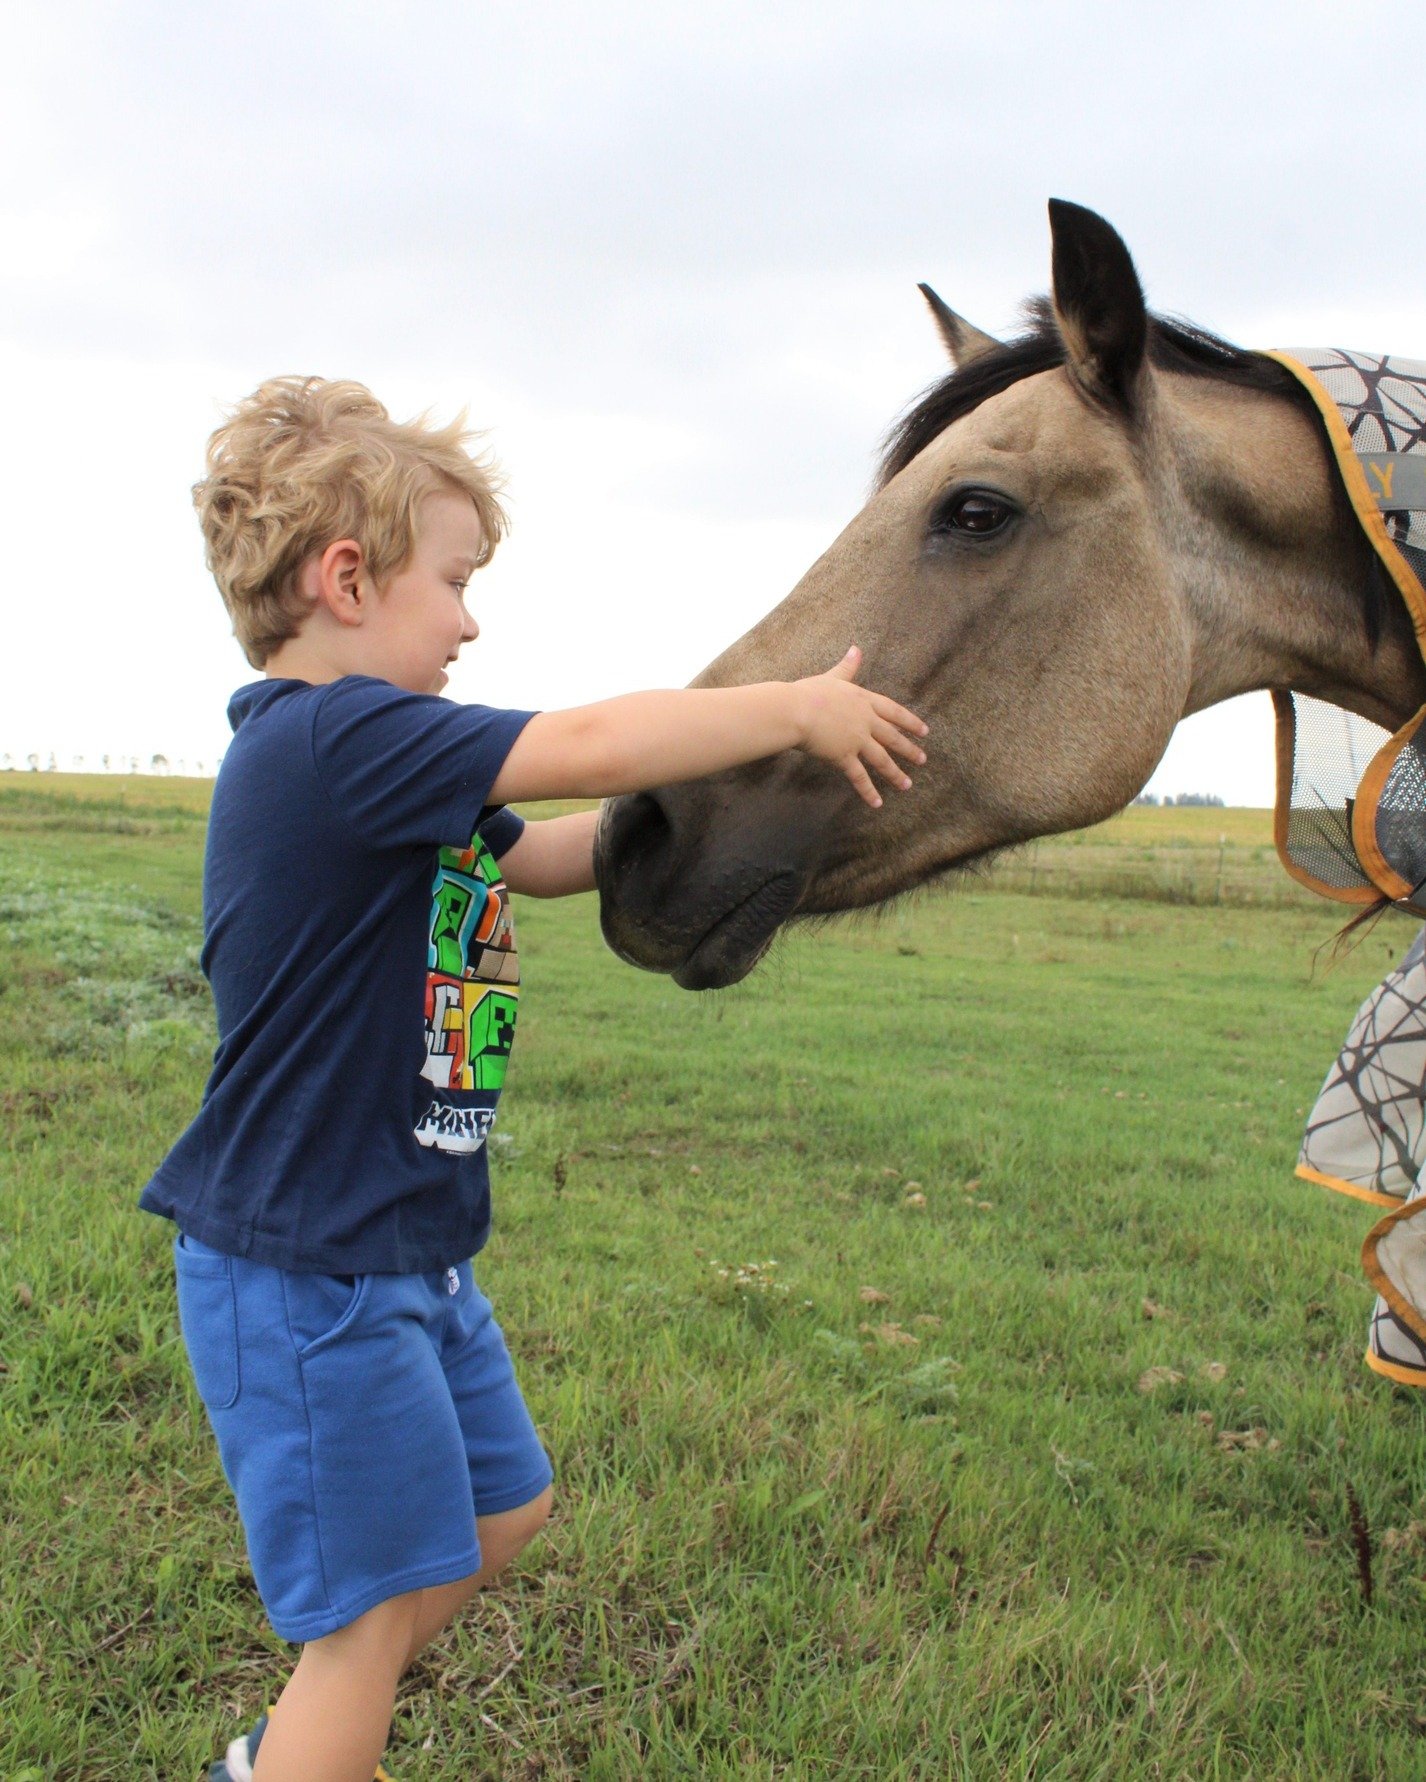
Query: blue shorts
{"points": [[364, 1422]]}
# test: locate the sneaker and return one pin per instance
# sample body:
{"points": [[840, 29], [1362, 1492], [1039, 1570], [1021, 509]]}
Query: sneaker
{"points": [[236, 1764]]}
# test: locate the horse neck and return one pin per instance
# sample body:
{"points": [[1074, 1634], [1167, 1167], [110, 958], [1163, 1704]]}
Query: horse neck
{"points": [[1272, 565]]}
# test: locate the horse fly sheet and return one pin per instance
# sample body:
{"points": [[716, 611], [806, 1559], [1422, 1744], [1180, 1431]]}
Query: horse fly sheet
{"points": [[1366, 1136], [1351, 799], [1351, 824]]}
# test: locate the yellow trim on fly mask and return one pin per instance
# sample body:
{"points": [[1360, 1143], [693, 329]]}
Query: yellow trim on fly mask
{"points": [[1395, 1370], [1338, 1186]]}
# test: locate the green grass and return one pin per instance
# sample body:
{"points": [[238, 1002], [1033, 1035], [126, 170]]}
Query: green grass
{"points": [[787, 1542]]}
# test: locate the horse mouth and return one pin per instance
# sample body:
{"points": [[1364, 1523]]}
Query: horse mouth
{"points": [[737, 940]]}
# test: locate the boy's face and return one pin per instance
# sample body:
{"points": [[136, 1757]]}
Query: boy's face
{"points": [[419, 623]]}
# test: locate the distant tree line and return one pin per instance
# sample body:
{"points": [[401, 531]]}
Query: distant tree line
{"points": [[1199, 798], [159, 764]]}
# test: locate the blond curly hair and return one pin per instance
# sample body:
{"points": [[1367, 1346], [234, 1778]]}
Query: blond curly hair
{"points": [[305, 461]]}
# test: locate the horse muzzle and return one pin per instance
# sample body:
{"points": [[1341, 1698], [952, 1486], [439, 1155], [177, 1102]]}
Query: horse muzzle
{"points": [[672, 900]]}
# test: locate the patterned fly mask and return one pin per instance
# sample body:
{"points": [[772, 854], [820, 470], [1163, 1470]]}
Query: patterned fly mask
{"points": [[1351, 823]]}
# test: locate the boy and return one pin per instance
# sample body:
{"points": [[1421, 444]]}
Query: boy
{"points": [[359, 944]]}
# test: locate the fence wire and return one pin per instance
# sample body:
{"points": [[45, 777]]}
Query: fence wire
{"points": [[1220, 872]]}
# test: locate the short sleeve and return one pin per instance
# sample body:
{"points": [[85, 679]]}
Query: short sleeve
{"points": [[501, 829], [409, 769]]}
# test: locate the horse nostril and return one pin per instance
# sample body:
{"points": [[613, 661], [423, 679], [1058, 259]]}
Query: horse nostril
{"points": [[633, 865], [635, 830]]}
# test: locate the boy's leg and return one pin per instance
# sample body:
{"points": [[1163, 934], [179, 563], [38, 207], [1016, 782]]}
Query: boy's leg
{"points": [[331, 1722], [332, 1369], [509, 1472], [502, 1537]]}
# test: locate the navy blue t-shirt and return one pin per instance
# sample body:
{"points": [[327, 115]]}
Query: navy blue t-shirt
{"points": [[358, 939]]}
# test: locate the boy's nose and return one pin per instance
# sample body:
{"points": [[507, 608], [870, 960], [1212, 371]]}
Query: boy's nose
{"points": [[470, 630]]}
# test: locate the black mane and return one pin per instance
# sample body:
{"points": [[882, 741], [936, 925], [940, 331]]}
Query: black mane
{"points": [[1174, 346]]}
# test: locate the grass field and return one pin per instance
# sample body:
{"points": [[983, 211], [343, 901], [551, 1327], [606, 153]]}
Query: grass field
{"points": [[836, 1298]]}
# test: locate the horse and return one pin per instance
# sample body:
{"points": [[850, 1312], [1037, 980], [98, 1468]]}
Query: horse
{"points": [[1074, 539]]}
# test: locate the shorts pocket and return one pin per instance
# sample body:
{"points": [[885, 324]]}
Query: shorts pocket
{"points": [[321, 1309], [208, 1318]]}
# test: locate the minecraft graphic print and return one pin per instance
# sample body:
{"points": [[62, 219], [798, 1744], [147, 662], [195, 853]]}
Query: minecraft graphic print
{"points": [[472, 997]]}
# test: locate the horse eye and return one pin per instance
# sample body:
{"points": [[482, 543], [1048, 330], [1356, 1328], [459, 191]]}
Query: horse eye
{"points": [[975, 514]]}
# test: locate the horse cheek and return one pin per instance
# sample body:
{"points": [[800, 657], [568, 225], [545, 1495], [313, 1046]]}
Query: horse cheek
{"points": [[1098, 721], [1140, 699]]}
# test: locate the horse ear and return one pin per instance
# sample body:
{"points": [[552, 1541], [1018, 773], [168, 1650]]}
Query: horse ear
{"points": [[1099, 306], [963, 342]]}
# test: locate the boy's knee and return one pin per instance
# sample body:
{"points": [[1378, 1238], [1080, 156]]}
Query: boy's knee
{"points": [[509, 1532], [520, 1526], [383, 1633], [539, 1508], [533, 1516]]}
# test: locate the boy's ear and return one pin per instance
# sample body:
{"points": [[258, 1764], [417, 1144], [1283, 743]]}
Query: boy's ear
{"points": [[342, 582]]}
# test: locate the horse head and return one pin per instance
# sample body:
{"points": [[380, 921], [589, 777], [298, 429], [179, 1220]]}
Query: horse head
{"points": [[1075, 539]]}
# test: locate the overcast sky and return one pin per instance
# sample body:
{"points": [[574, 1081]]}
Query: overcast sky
{"points": [[666, 256]]}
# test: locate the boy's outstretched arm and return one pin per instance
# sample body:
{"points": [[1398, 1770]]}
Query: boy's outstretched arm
{"points": [[554, 857], [644, 740]]}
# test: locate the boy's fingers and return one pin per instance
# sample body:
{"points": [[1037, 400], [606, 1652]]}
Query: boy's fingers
{"points": [[846, 669], [876, 756], [861, 779], [898, 742], [898, 714]]}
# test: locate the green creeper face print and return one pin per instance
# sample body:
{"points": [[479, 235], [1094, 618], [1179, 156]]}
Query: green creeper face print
{"points": [[472, 993]]}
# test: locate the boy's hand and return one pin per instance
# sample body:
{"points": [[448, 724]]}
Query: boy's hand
{"points": [[850, 725], [643, 740]]}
